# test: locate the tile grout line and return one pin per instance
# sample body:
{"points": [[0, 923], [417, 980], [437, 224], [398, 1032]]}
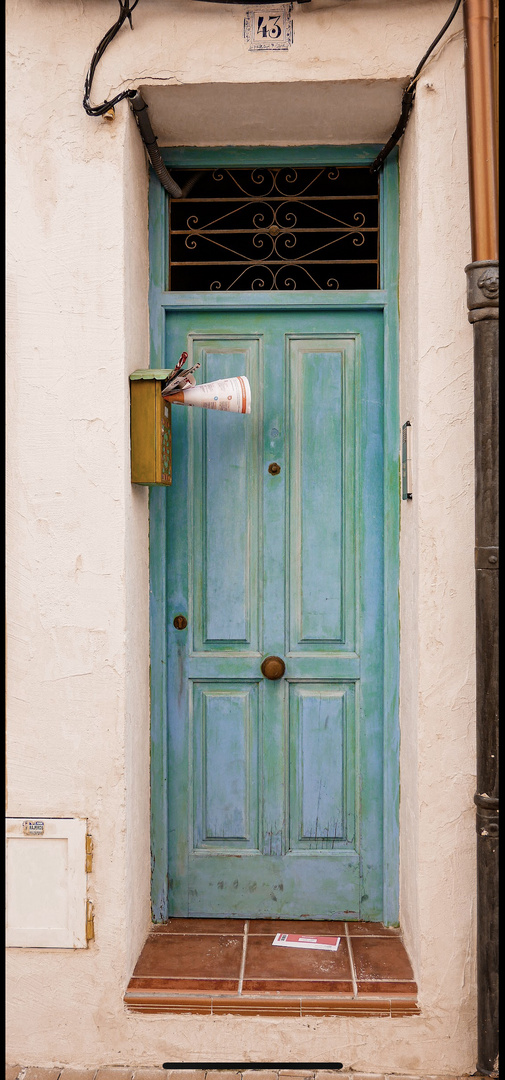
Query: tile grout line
{"points": [[244, 951], [351, 960]]}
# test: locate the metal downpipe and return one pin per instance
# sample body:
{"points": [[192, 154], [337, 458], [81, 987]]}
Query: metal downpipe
{"points": [[483, 306]]}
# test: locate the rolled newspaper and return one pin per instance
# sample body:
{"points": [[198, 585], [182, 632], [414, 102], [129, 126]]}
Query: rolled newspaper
{"points": [[227, 395]]}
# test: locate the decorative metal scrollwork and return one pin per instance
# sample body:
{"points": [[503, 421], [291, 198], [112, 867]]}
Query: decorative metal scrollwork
{"points": [[274, 229], [489, 283]]}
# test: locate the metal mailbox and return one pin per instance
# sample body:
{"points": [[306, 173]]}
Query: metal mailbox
{"points": [[150, 428]]}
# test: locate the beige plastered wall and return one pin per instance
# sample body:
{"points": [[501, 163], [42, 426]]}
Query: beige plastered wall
{"points": [[77, 531]]}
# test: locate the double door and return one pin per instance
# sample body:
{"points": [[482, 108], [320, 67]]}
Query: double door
{"points": [[274, 601]]}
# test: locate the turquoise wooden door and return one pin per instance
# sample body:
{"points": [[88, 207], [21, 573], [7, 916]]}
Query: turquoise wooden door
{"points": [[275, 788]]}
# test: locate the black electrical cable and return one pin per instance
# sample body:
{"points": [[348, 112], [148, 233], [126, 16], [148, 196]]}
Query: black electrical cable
{"points": [[125, 12], [139, 109], [137, 103], [139, 106], [408, 97]]}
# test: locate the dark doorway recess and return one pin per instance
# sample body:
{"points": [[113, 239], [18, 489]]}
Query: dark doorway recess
{"points": [[275, 229]]}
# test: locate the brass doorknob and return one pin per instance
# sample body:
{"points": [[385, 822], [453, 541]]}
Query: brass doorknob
{"points": [[273, 667]]}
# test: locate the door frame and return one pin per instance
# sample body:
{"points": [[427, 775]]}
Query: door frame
{"points": [[385, 299]]}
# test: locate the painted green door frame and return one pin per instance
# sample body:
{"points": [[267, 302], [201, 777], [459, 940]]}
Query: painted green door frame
{"points": [[385, 300]]}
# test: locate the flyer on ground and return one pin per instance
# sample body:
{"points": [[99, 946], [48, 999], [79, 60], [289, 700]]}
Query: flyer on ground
{"points": [[307, 941]]}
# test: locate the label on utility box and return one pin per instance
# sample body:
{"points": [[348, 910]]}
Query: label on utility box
{"points": [[33, 828]]}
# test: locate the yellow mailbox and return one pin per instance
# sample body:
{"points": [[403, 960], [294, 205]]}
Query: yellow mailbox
{"points": [[150, 428]]}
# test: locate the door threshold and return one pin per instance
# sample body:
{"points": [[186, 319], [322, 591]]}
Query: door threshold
{"points": [[217, 966]]}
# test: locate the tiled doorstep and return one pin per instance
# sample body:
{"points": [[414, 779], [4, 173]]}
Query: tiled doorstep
{"points": [[215, 966], [262, 1005], [220, 1072]]}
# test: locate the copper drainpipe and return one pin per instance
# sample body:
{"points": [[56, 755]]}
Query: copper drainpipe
{"points": [[483, 299]]}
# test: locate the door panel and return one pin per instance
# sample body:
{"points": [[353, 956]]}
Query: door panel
{"points": [[275, 787], [322, 723], [225, 493], [225, 733], [321, 488]]}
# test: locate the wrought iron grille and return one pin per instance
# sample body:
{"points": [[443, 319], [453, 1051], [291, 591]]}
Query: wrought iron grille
{"points": [[273, 228]]}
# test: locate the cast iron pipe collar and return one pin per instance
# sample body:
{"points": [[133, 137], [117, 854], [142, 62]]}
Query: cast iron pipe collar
{"points": [[483, 289]]}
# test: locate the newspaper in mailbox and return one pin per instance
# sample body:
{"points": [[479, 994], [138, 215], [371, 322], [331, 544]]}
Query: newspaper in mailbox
{"points": [[226, 395]]}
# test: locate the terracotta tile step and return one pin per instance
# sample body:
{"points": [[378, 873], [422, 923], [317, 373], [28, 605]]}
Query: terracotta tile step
{"points": [[213, 966], [265, 1005]]}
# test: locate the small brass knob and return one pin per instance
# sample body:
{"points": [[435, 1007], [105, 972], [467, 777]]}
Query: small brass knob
{"points": [[274, 468], [273, 667]]}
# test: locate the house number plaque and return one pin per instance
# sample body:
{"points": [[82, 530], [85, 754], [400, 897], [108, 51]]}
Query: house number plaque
{"points": [[269, 27]]}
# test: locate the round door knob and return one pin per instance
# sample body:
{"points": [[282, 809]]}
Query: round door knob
{"points": [[273, 667]]}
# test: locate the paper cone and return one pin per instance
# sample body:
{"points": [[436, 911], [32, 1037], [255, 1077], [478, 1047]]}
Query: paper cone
{"points": [[227, 395]]}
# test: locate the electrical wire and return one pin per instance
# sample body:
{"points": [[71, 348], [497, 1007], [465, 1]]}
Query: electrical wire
{"points": [[139, 109], [408, 96], [125, 12], [433, 45], [137, 103]]}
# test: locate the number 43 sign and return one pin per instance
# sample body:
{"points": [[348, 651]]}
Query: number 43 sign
{"points": [[269, 27]]}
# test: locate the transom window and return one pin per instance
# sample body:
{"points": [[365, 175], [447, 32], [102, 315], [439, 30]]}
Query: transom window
{"points": [[274, 229]]}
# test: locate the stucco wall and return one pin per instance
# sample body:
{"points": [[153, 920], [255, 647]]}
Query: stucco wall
{"points": [[437, 535], [78, 658]]}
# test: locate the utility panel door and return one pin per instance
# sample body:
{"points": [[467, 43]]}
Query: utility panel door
{"points": [[275, 786]]}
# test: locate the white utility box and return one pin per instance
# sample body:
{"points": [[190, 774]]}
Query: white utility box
{"points": [[46, 883]]}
